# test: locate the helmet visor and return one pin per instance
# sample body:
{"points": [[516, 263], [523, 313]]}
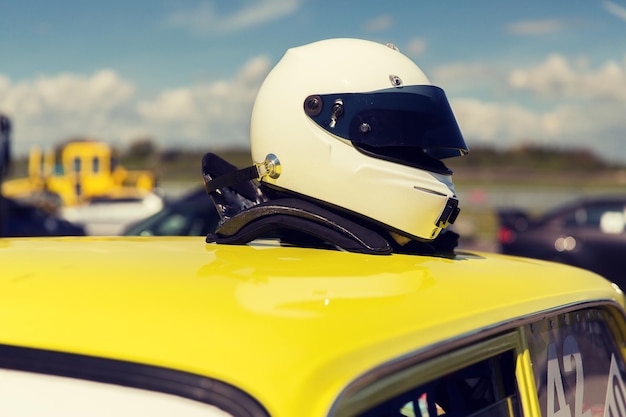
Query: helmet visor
{"points": [[417, 117]]}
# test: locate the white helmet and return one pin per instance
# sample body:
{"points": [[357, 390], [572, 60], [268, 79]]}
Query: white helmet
{"points": [[356, 125]]}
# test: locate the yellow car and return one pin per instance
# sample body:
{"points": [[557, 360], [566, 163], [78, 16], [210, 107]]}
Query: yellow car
{"points": [[137, 326]]}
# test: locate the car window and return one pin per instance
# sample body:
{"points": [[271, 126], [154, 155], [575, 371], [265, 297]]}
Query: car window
{"points": [[573, 218], [41, 383], [479, 380], [578, 365], [485, 388], [596, 212], [175, 221], [188, 217], [607, 217], [183, 221], [173, 225]]}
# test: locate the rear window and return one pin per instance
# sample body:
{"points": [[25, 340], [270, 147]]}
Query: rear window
{"points": [[578, 363]]}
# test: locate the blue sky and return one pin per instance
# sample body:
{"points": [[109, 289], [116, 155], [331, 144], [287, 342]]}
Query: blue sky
{"points": [[185, 72]]}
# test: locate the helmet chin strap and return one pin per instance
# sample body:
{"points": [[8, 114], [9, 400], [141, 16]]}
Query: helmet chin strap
{"points": [[269, 167]]}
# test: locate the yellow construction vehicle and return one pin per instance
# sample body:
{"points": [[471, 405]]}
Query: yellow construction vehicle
{"points": [[76, 172]]}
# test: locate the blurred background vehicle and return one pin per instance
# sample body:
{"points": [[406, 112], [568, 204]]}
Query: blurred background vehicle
{"points": [[587, 232], [23, 220], [191, 215], [82, 181], [18, 219], [106, 216]]}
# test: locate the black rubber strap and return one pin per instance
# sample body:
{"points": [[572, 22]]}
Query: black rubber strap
{"points": [[230, 179], [269, 218]]}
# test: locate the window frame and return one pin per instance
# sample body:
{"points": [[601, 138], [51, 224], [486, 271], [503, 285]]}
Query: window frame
{"points": [[394, 379], [419, 367]]}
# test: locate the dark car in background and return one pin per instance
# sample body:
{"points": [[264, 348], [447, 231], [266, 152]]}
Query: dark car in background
{"points": [[21, 219], [589, 233], [191, 215]]}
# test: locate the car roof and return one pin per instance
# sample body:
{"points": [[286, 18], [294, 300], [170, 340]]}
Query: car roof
{"points": [[278, 322]]}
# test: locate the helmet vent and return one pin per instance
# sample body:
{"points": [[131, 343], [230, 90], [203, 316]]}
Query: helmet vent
{"points": [[395, 80], [392, 46]]}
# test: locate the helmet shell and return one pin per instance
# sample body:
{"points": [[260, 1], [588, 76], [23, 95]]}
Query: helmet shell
{"points": [[323, 166]]}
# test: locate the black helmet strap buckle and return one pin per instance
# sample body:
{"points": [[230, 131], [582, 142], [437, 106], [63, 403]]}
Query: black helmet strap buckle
{"points": [[449, 214]]}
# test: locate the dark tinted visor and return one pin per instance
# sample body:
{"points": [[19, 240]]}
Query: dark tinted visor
{"points": [[417, 117]]}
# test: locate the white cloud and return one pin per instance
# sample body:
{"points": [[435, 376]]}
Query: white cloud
{"points": [[559, 102], [615, 9], [51, 109], [67, 92], [508, 124], [498, 124], [5, 84], [416, 47], [205, 20], [379, 24], [558, 78], [537, 27], [461, 78], [216, 114]]}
